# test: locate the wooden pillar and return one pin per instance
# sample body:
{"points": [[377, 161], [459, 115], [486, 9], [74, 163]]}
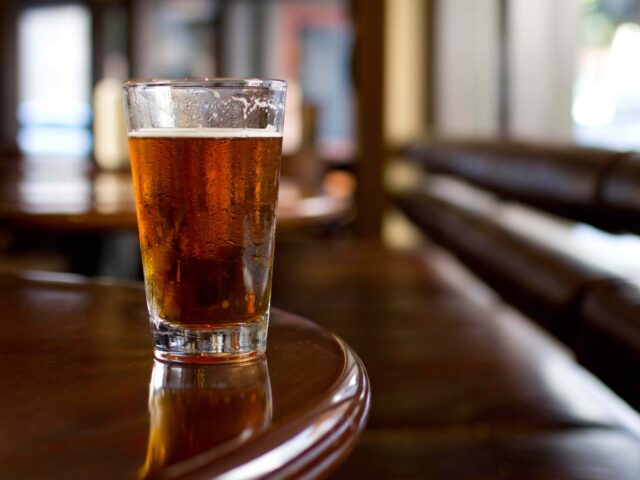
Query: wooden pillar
{"points": [[8, 77], [429, 64], [503, 65], [369, 82]]}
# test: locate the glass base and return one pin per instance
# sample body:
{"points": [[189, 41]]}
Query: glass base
{"points": [[236, 343]]}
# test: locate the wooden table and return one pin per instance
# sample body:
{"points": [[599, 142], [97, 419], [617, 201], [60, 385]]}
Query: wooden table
{"points": [[71, 195], [68, 206], [82, 396]]}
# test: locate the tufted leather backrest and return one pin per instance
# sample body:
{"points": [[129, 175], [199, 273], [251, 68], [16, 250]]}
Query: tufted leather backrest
{"points": [[619, 197], [564, 180], [594, 313]]}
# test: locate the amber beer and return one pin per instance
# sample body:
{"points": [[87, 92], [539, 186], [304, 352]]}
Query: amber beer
{"points": [[206, 217], [205, 159]]}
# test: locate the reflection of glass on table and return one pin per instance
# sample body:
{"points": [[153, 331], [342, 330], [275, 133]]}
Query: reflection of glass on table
{"points": [[196, 408], [80, 389]]}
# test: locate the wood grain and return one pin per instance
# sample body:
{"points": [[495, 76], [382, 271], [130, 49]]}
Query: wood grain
{"points": [[77, 400]]}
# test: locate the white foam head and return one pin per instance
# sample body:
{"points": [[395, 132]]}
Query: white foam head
{"points": [[270, 131]]}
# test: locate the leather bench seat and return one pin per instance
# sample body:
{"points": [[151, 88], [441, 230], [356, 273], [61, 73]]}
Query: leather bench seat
{"points": [[540, 281], [620, 195], [559, 179], [592, 312], [609, 336]]}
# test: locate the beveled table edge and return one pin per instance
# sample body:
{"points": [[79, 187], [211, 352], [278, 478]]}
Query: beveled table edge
{"points": [[309, 446]]}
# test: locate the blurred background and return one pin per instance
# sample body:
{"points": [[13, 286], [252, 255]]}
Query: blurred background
{"points": [[366, 78], [428, 144]]}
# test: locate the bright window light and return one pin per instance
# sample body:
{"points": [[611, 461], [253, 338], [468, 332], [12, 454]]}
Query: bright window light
{"points": [[606, 102], [54, 79]]}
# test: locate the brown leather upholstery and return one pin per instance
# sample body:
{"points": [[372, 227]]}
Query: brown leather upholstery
{"points": [[620, 195], [609, 340], [598, 186], [560, 179], [544, 283]]}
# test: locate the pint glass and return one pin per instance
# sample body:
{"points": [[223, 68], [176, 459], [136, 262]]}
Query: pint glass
{"points": [[205, 160]]}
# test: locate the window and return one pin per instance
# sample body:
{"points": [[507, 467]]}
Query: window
{"points": [[54, 80], [606, 105]]}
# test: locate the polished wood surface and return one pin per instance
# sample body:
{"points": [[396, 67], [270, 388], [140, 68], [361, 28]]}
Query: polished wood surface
{"points": [[464, 387], [65, 195], [71, 195], [83, 398]]}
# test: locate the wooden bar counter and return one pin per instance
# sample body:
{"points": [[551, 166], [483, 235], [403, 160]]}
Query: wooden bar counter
{"points": [[82, 396], [464, 387]]}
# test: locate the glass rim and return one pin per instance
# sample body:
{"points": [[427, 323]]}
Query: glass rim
{"points": [[208, 82]]}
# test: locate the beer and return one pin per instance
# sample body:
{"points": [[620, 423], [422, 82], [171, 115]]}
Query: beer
{"points": [[206, 216], [196, 409]]}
